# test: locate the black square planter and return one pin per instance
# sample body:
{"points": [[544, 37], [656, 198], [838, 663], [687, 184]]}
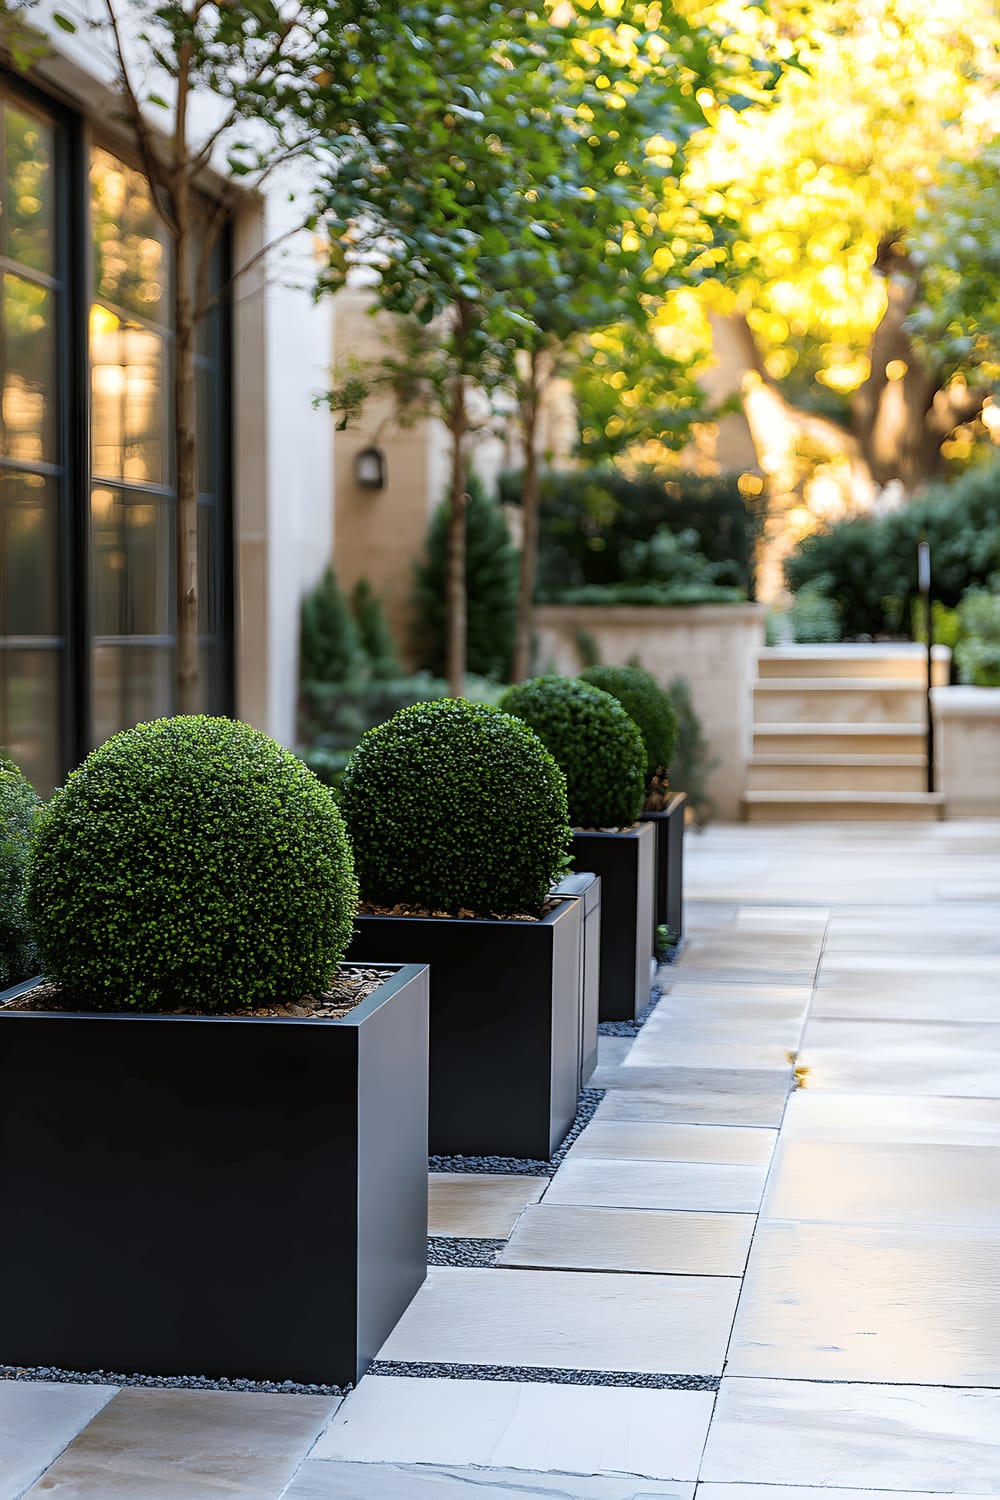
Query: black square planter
{"points": [[625, 860], [505, 1025], [586, 888], [193, 1195], [669, 826]]}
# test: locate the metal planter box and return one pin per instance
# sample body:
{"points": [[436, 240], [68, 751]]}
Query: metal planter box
{"points": [[195, 1195], [585, 887], [625, 860], [504, 1027], [669, 825]]}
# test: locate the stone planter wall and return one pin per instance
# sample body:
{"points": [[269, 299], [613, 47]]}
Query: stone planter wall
{"points": [[713, 646], [967, 750]]}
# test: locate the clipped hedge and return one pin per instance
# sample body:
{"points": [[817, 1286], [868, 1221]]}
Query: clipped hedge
{"points": [[191, 863], [595, 742], [647, 705], [456, 806], [867, 566], [18, 815]]}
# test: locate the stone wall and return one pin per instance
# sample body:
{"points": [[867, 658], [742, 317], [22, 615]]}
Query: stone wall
{"points": [[967, 750], [713, 646]]}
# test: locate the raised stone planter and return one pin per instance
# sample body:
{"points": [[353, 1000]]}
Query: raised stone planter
{"points": [[967, 750], [714, 647]]}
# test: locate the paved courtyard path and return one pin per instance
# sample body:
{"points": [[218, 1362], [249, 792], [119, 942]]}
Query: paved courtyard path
{"points": [[768, 1269]]}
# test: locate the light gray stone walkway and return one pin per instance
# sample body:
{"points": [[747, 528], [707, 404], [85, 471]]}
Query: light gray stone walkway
{"points": [[730, 1290]]}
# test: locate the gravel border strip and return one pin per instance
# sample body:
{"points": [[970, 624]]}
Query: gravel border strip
{"points": [[525, 1374], [458, 1250], [521, 1166], [167, 1382]]}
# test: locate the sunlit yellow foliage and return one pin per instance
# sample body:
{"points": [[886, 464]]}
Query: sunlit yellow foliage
{"points": [[842, 159]]}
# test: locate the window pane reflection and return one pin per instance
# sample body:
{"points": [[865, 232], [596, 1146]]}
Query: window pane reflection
{"points": [[130, 406], [132, 683], [130, 242], [30, 722], [29, 214], [29, 597], [28, 425], [133, 548]]}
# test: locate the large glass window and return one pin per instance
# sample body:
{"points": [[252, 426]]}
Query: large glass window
{"points": [[87, 483], [32, 461]]}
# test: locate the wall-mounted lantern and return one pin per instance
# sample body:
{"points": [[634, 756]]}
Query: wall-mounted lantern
{"points": [[370, 469]]}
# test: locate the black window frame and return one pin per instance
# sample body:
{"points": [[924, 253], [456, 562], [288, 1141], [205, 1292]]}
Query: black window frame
{"points": [[75, 136]]}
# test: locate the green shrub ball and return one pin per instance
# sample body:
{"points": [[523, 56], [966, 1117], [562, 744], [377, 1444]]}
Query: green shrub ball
{"points": [[191, 863], [456, 806], [18, 814], [595, 742], [647, 705]]}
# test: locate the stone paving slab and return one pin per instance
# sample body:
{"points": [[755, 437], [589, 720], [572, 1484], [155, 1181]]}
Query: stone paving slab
{"points": [[702, 1186], [797, 1492], [702, 1043], [165, 1444], [37, 1421], [636, 1140], [894, 1437], [589, 1430], [914, 1305], [917, 1057], [478, 1206], [886, 1119], [836, 1181], [695, 1096], [567, 1320], [621, 1239], [326, 1479]]}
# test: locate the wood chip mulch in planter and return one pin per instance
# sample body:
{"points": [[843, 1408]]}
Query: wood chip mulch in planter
{"points": [[345, 993]]}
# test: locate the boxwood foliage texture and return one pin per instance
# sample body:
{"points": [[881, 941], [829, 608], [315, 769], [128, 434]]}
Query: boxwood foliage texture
{"points": [[647, 705], [191, 863], [594, 740], [18, 814], [456, 806]]}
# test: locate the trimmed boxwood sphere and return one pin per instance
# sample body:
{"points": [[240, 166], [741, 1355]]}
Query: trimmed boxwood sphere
{"points": [[18, 813], [455, 806], [194, 863], [647, 705], [595, 742]]}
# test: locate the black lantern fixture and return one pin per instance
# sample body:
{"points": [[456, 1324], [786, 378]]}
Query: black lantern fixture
{"points": [[370, 468]]}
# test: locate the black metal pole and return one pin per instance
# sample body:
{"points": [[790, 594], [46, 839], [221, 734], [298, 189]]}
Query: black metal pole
{"points": [[924, 581]]}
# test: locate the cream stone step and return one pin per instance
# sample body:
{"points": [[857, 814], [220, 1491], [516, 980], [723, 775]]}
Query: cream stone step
{"points": [[900, 660], [842, 807], [838, 773], [840, 739], [826, 700]]}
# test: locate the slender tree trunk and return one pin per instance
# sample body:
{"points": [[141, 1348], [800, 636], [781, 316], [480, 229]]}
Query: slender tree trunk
{"points": [[456, 585], [530, 500], [456, 603], [185, 421]]}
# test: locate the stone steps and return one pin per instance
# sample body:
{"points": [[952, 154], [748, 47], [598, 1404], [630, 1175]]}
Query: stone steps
{"points": [[836, 773], [840, 739], [847, 807], [821, 700], [901, 660], [840, 734]]}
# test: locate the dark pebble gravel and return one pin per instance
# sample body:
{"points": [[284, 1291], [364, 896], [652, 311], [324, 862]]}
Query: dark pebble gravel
{"points": [[510, 1166], [527, 1373], [167, 1382], [452, 1250]]}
